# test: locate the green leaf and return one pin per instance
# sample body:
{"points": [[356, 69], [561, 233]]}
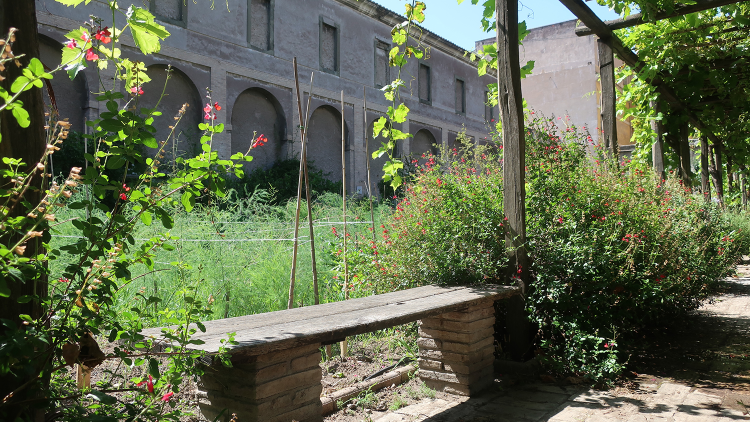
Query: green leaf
{"points": [[378, 126], [4, 289], [188, 201], [36, 67], [146, 32], [146, 218], [22, 116], [73, 3], [19, 83]]}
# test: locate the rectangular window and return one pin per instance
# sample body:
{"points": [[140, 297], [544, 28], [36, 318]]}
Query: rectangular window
{"points": [[489, 111], [329, 46], [460, 96], [171, 11], [260, 24], [425, 83], [382, 70]]}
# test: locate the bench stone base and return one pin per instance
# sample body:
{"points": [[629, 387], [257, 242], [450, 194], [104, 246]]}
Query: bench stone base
{"points": [[279, 386], [456, 350]]}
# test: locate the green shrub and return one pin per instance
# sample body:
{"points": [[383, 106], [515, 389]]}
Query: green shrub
{"points": [[448, 226], [612, 249], [282, 181]]}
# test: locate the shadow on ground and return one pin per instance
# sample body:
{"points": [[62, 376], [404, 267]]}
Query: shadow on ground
{"points": [[694, 370]]}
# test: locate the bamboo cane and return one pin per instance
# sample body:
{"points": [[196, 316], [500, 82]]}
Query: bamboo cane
{"points": [[303, 123], [290, 303], [367, 158], [343, 178]]}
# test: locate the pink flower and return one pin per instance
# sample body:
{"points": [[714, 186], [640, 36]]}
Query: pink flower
{"points": [[207, 108], [150, 384], [71, 44], [85, 37], [103, 35], [137, 90], [90, 55], [167, 396], [124, 197]]}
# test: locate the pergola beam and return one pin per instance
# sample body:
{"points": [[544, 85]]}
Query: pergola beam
{"points": [[638, 19], [600, 29]]}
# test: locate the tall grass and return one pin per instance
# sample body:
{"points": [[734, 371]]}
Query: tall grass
{"points": [[237, 254]]}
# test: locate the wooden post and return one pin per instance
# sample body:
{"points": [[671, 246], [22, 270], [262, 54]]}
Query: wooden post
{"points": [[368, 158], [303, 132], [686, 172], [343, 178], [657, 151], [290, 303], [510, 102], [743, 185], [716, 174], [705, 184], [609, 97]]}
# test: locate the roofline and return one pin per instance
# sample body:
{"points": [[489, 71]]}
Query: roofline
{"points": [[391, 18]]}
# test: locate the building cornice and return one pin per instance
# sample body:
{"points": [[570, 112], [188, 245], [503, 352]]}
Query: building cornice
{"points": [[391, 18]]}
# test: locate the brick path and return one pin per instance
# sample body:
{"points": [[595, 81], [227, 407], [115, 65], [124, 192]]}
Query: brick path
{"points": [[702, 375]]}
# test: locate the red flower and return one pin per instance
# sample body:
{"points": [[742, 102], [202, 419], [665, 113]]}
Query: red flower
{"points": [[150, 384], [90, 55], [217, 106], [167, 396], [71, 44], [123, 197], [85, 37], [259, 141], [103, 35], [207, 108], [125, 188], [137, 90]]}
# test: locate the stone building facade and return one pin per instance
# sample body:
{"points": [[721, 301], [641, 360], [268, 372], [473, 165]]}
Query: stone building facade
{"points": [[242, 52], [565, 80]]}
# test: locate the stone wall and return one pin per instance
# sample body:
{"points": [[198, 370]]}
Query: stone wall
{"points": [[245, 60]]}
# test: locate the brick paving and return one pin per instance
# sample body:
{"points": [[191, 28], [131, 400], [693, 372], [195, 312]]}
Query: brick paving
{"points": [[705, 377]]}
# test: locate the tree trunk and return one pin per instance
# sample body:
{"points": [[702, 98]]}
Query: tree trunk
{"points": [[29, 145], [514, 164], [25, 143]]}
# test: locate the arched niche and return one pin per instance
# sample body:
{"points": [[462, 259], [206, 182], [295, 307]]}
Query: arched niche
{"points": [[70, 96], [423, 143], [324, 142], [258, 111], [180, 90]]}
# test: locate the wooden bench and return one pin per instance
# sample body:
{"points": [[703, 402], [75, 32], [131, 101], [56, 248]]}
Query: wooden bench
{"points": [[276, 374]]}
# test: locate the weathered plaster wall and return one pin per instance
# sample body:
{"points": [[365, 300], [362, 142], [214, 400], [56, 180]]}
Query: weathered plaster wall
{"points": [[565, 80], [211, 49]]}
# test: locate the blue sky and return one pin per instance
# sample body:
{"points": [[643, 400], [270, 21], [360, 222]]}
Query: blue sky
{"points": [[460, 23]]}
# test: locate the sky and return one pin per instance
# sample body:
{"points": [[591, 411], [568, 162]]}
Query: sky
{"points": [[460, 23]]}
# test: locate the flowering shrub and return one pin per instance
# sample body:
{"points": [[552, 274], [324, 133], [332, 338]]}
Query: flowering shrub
{"points": [[447, 228], [611, 249]]}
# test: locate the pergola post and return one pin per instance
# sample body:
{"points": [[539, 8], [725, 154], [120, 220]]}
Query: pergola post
{"points": [[609, 97], [686, 172], [657, 151], [705, 184], [510, 102]]}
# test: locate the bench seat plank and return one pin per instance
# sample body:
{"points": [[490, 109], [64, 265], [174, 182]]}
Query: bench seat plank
{"points": [[330, 322]]}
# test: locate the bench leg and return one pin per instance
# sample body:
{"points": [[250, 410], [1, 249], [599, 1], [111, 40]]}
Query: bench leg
{"points": [[456, 350], [279, 386]]}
